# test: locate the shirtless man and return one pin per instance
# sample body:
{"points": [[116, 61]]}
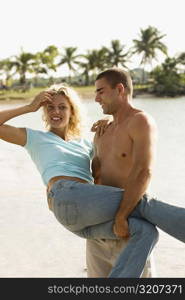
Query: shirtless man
{"points": [[124, 158]]}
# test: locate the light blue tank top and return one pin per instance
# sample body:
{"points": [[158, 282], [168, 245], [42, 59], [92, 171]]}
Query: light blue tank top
{"points": [[54, 156]]}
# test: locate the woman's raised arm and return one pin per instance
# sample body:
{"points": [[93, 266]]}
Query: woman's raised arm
{"points": [[16, 135]]}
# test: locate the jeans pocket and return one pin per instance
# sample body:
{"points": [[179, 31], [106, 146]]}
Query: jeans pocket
{"points": [[66, 213]]}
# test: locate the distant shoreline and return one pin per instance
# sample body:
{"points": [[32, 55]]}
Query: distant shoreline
{"points": [[84, 96]]}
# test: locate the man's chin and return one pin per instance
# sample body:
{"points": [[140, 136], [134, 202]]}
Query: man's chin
{"points": [[106, 112]]}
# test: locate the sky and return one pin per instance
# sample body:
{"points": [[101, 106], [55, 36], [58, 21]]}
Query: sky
{"points": [[87, 24]]}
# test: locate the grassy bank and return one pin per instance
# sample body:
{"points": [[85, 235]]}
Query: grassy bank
{"points": [[85, 92]]}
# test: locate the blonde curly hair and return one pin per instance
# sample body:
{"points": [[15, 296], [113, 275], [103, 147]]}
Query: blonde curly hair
{"points": [[77, 121]]}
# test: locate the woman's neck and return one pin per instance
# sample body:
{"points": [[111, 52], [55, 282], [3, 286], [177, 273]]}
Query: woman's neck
{"points": [[60, 132]]}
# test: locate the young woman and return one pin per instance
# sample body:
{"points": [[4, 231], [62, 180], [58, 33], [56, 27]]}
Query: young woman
{"points": [[63, 158]]}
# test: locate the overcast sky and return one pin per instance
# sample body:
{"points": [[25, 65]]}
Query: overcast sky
{"points": [[87, 24]]}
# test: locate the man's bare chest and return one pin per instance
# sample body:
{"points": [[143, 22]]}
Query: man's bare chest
{"points": [[114, 144]]}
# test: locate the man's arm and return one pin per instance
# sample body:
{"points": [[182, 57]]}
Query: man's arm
{"points": [[96, 162], [96, 170], [142, 131], [99, 127]]}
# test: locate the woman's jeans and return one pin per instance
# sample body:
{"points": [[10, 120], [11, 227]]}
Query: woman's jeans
{"points": [[89, 211]]}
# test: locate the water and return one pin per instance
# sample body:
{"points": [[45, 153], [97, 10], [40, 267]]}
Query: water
{"points": [[32, 242]]}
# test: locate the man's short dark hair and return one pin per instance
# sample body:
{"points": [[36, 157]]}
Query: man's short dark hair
{"points": [[115, 76]]}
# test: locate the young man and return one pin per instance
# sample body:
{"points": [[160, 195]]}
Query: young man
{"points": [[124, 158], [102, 254]]}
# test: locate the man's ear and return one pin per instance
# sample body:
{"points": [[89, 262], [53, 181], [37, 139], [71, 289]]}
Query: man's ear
{"points": [[121, 88]]}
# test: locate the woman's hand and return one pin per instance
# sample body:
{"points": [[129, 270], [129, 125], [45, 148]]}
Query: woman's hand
{"points": [[100, 126], [41, 99]]}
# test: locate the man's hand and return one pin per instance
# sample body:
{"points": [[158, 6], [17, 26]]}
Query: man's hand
{"points": [[120, 227]]}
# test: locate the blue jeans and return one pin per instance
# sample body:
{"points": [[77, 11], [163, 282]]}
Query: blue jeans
{"points": [[89, 210]]}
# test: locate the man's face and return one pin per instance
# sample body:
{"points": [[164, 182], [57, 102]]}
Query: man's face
{"points": [[106, 96]]}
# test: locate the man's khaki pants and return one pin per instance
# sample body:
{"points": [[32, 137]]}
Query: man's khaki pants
{"points": [[101, 255]]}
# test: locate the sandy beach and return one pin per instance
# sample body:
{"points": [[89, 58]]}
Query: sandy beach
{"points": [[34, 244]]}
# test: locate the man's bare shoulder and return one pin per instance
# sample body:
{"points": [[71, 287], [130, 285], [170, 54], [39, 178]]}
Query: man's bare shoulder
{"points": [[142, 122]]}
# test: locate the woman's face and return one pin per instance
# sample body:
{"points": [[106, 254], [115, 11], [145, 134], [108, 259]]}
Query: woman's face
{"points": [[58, 113]]}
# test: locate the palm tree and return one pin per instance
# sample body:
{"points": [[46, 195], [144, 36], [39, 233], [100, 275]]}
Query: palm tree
{"points": [[116, 56], [85, 71], [23, 64], [38, 67], [70, 58], [181, 68], [95, 60], [48, 57], [167, 80], [45, 61], [6, 66], [148, 44], [181, 60], [102, 59], [89, 64]]}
